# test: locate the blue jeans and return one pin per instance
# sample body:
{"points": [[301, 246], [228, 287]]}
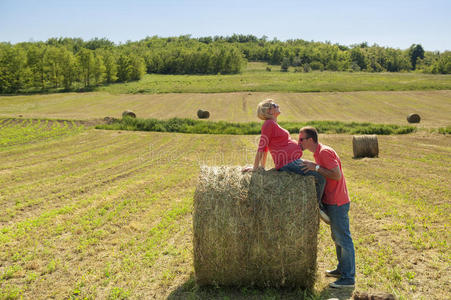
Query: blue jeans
{"points": [[320, 181], [339, 226]]}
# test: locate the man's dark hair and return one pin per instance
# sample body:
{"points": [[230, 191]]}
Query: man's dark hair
{"points": [[310, 132]]}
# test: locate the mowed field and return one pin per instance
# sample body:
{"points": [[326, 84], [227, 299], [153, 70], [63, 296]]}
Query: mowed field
{"points": [[434, 107], [99, 214]]}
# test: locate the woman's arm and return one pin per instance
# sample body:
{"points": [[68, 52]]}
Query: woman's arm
{"points": [[263, 161], [262, 152], [260, 156]]}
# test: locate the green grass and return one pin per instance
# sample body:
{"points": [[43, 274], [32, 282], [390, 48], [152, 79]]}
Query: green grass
{"points": [[22, 131], [256, 79], [445, 130], [221, 127]]}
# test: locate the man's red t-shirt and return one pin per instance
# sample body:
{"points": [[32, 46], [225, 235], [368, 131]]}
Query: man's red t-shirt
{"points": [[283, 149], [335, 191]]}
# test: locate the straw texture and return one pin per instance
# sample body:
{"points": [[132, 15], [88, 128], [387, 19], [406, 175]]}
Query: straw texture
{"points": [[413, 118], [203, 114], [255, 229], [365, 146]]}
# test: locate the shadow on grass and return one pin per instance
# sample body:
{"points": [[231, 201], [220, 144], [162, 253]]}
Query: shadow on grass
{"points": [[328, 293], [190, 290]]}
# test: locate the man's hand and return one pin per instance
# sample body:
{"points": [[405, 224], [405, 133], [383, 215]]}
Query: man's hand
{"points": [[308, 166]]}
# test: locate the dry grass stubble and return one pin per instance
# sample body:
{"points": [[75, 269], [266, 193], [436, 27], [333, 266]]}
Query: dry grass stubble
{"points": [[131, 236], [375, 107], [254, 229]]}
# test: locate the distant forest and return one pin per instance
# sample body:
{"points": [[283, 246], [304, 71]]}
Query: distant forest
{"points": [[75, 64]]}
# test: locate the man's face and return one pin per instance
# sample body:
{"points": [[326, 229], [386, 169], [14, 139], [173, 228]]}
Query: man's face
{"points": [[303, 141]]}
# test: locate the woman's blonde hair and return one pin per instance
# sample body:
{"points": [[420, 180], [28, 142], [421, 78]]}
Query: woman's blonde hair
{"points": [[263, 109]]}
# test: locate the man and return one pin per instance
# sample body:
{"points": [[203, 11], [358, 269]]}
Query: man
{"points": [[336, 204]]}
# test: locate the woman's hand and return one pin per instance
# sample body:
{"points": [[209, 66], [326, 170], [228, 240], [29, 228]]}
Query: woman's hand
{"points": [[247, 169], [260, 159], [252, 169]]}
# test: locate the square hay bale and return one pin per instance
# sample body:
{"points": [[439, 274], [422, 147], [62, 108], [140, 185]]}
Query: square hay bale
{"points": [[255, 229]]}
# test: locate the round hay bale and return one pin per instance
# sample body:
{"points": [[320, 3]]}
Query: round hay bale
{"points": [[203, 114], [255, 229], [413, 118], [128, 113], [365, 146]]}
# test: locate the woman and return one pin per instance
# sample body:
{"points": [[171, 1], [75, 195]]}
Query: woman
{"points": [[285, 151]]}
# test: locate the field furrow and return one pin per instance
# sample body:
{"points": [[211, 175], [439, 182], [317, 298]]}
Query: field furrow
{"points": [[92, 171], [99, 214], [386, 107]]}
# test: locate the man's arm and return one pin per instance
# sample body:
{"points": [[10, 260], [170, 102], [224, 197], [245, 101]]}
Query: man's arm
{"points": [[333, 174]]}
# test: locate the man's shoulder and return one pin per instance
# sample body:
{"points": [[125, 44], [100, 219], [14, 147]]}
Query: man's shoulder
{"points": [[327, 157], [326, 150]]}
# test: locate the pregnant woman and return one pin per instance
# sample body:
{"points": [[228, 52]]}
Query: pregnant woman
{"points": [[285, 151]]}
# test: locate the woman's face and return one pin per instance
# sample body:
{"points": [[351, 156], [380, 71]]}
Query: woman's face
{"points": [[275, 109]]}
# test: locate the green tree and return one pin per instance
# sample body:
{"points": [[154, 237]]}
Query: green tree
{"points": [[285, 64], [443, 64], [137, 67], [109, 62], [54, 64], [12, 68], [98, 69], [96, 43], [316, 65], [35, 61], [69, 69], [397, 61], [358, 58], [86, 62], [276, 56], [415, 52], [123, 68]]}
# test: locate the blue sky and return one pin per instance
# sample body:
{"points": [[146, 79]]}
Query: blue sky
{"points": [[396, 24]]}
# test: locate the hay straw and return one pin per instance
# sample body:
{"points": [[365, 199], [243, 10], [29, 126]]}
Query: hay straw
{"points": [[413, 118], [203, 114], [255, 229], [365, 146], [128, 113]]}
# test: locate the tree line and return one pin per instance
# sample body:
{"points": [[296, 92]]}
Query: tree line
{"points": [[72, 63], [306, 56], [68, 63]]}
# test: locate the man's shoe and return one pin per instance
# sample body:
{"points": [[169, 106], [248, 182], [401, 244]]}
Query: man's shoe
{"points": [[333, 273], [342, 283], [324, 217]]}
